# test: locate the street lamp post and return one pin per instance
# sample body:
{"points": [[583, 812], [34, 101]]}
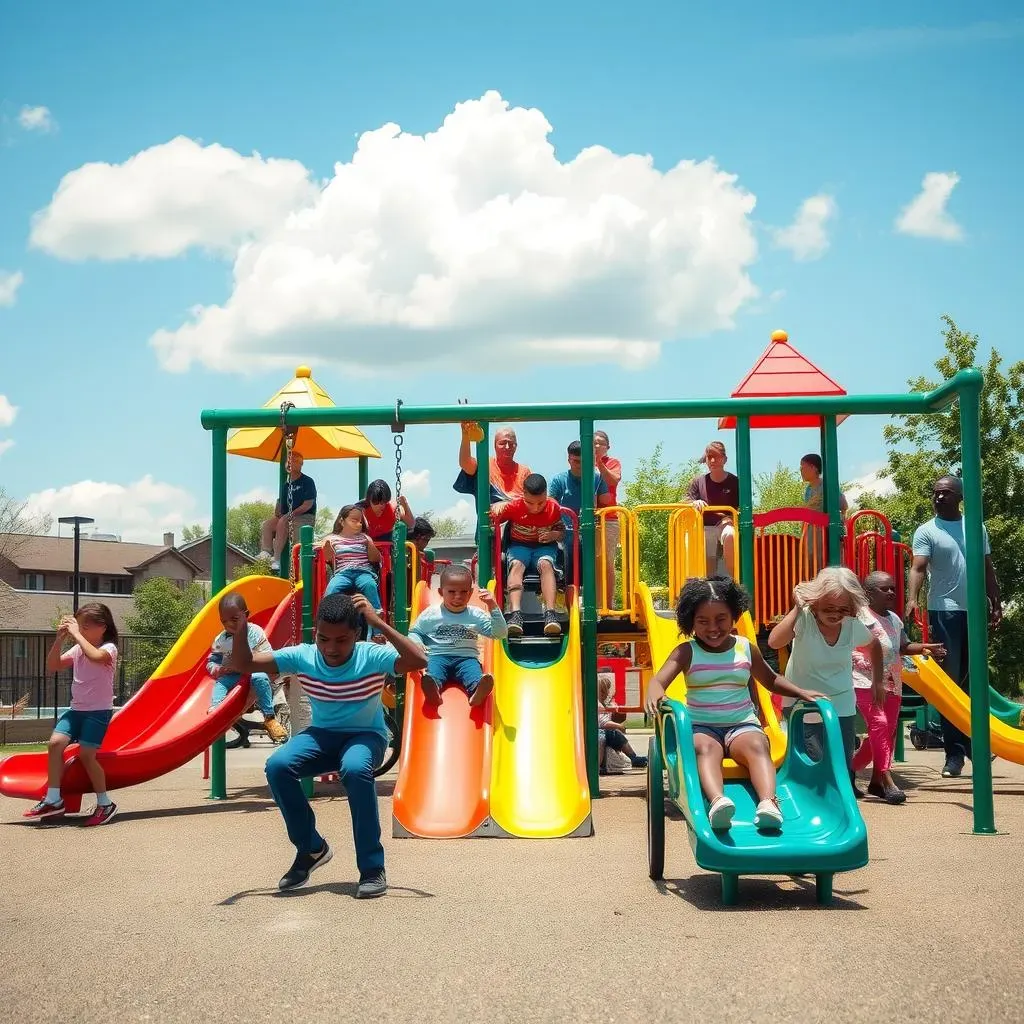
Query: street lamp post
{"points": [[77, 522]]}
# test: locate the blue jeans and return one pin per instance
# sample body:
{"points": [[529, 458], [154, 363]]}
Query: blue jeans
{"points": [[346, 581], [950, 629], [261, 690], [532, 555], [354, 755], [463, 669]]}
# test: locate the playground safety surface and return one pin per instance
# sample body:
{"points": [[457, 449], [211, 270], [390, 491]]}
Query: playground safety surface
{"points": [[171, 913]]}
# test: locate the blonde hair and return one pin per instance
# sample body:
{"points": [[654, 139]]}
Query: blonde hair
{"points": [[833, 581], [605, 683]]}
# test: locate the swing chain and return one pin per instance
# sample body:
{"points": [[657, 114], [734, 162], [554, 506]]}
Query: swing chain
{"points": [[289, 445], [399, 440]]}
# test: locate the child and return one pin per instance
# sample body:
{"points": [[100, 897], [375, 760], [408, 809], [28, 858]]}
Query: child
{"points": [[420, 536], [881, 708], [230, 608], [718, 666], [381, 513], [352, 553], [612, 724], [343, 678], [93, 659], [824, 629], [537, 528], [448, 633]]}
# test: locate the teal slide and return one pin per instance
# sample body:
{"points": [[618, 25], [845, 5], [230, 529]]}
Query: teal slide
{"points": [[823, 831]]}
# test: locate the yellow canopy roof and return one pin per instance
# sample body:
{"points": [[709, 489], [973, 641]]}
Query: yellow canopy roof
{"points": [[311, 442]]}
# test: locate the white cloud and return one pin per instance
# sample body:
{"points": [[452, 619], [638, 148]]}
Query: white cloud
{"points": [[139, 511], [806, 238], [5, 446], [8, 412], [10, 282], [167, 199], [36, 119], [926, 215], [428, 248], [876, 481], [463, 511], [255, 494], [416, 484]]}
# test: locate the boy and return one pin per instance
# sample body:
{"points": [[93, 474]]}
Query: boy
{"points": [[448, 632], [233, 612], [343, 678], [536, 529]]}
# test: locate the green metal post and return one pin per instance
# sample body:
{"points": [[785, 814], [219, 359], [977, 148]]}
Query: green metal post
{"points": [[588, 572], [399, 584], [977, 607], [831, 493], [484, 567], [306, 568], [218, 579], [364, 475], [745, 473]]}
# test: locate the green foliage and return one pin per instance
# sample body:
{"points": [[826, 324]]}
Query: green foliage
{"points": [[781, 488], [656, 482], [194, 532], [323, 525], [161, 613], [922, 448], [245, 521], [257, 567], [445, 526]]}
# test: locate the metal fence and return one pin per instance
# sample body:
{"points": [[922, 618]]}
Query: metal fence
{"points": [[23, 671]]}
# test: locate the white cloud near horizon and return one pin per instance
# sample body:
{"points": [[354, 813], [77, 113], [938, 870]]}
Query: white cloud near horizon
{"points": [[10, 282], [36, 119], [415, 485], [6, 446], [876, 481], [422, 248], [8, 412], [463, 511], [926, 216], [807, 238]]}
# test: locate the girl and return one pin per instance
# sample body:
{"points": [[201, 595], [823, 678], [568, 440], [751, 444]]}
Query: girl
{"points": [[881, 709], [381, 514], [351, 553], [824, 629], [718, 666], [612, 724], [93, 658]]}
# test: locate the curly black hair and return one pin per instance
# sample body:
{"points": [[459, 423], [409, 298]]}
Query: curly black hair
{"points": [[700, 590], [339, 610]]}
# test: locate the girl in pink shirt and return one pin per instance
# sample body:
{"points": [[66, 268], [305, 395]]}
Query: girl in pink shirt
{"points": [[93, 659]]}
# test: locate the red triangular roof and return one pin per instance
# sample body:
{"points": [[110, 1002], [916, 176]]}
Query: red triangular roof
{"points": [[782, 372]]}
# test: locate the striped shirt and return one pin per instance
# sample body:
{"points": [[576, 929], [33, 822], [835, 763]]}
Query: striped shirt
{"points": [[350, 552], [345, 698], [718, 686]]}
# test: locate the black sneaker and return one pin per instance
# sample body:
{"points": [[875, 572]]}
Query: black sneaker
{"points": [[305, 864], [371, 884], [639, 762], [552, 627], [515, 623], [952, 769]]}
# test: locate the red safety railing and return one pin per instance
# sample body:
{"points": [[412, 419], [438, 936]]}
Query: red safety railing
{"points": [[868, 550], [499, 584], [782, 558]]}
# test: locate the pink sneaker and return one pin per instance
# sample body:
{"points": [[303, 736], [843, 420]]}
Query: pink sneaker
{"points": [[101, 815], [45, 810]]}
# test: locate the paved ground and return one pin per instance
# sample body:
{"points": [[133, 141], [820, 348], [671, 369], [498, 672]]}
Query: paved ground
{"points": [[170, 914]]}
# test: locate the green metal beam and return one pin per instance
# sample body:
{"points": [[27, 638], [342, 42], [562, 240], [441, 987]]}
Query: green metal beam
{"points": [[745, 541], [484, 568], [588, 572], [834, 548]]}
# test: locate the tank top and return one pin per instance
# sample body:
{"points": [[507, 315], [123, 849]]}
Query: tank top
{"points": [[350, 552], [717, 686]]}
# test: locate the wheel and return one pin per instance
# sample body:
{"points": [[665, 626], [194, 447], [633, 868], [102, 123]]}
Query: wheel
{"points": [[394, 747], [235, 738], [655, 812]]}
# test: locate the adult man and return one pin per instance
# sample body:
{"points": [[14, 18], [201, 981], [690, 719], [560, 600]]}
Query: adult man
{"points": [[296, 507], [506, 475], [716, 487], [611, 473], [939, 552], [566, 489]]}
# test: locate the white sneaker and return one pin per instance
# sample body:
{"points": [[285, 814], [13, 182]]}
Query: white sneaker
{"points": [[720, 813], [768, 815], [617, 763], [275, 565], [265, 556]]}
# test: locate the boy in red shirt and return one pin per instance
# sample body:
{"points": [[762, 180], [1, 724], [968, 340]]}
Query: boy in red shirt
{"points": [[536, 529]]}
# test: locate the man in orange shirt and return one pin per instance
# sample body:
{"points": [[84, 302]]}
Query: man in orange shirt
{"points": [[506, 475]]}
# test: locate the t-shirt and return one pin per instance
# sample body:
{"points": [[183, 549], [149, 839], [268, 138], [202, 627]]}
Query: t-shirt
{"points": [[567, 489], [941, 541], [295, 492], [223, 645], [345, 698], [350, 552], [504, 485], [718, 685], [440, 631], [816, 665], [92, 686], [526, 524], [813, 496], [380, 526], [725, 493], [616, 467], [888, 630]]}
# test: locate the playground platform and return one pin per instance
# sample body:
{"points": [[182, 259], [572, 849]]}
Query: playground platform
{"points": [[170, 914]]}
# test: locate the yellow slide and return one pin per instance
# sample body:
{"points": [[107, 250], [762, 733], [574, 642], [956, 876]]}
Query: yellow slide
{"points": [[663, 637], [539, 786], [940, 691]]}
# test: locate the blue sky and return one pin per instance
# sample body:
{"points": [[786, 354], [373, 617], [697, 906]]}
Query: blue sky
{"points": [[847, 109]]}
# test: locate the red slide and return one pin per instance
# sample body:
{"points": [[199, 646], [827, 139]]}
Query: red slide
{"points": [[166, 723]]}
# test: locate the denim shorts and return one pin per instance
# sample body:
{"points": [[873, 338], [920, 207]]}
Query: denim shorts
{"points": [[725, 734], [85, 727], [531, 556], [455, 668]]}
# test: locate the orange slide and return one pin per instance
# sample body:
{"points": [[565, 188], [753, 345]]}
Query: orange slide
{"points": [[444, 771]]}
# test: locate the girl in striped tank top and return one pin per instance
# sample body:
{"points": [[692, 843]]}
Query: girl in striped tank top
{"points": [[718, 666], [352, 554]]}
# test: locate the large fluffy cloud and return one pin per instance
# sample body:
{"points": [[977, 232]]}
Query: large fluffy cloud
{"points": [[168, 199], [926, 215]]}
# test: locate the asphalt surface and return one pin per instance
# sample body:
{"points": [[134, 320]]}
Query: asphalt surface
{"points": [[171, 913]]}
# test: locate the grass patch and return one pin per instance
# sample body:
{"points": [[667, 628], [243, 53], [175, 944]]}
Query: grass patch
{"points": [[20, 748]]}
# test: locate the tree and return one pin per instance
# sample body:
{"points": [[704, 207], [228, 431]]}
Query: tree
{"points": [[781, 488], [656, 482], [193, 532], [445, 526], [17, 524], [162, 612], [324, 523], [922, 448]]}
